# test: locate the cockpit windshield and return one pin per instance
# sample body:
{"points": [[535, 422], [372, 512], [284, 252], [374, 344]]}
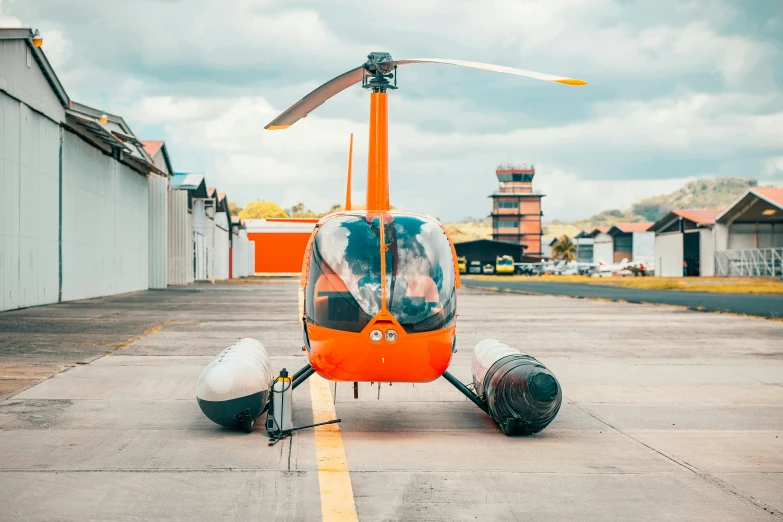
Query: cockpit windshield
{"points": [[344, 284], [422, 296]]}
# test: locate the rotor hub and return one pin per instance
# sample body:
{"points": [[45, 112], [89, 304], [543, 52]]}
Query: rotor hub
{"points": [[378, 70]]}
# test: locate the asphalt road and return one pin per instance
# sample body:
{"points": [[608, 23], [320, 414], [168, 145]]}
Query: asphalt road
{"points": [[749, 304]]}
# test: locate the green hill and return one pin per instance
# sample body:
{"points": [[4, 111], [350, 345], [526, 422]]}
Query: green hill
{"points": [[703, 194]]}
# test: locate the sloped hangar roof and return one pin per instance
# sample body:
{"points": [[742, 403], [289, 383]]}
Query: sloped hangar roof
{"points": [[756, 205], [700, 218], [192, 182], [26, 34]]}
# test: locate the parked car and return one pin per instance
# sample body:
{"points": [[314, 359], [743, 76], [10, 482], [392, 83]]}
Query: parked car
{"points": [[504, 265], [474, 267], [462, 264], [488, 269]]}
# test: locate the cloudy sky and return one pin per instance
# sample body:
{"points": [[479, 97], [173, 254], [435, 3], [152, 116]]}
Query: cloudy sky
{"points": [[678, 89]]}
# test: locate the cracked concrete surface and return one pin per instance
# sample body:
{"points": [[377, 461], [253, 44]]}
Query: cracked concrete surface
{"points": [[668, 414]]}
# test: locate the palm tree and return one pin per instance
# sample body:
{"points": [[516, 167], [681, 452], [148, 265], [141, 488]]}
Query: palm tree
{"points": [[564, 249]]}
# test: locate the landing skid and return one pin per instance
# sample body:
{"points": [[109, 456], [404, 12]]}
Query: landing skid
{"points": [[467, 392]]}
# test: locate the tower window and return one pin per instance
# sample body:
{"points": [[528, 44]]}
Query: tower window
{"points": [[508, 223]]}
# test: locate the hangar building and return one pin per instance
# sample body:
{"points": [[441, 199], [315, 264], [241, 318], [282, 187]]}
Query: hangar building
{"points": [[749, 235], [584, 247], [632, 241], [488, 250], [87, 209], [685, 244], [603, 246]]}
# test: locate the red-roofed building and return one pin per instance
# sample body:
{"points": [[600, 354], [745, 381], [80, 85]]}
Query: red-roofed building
{"points": [[151, 147], [749, 235], [632, 241], [629, 228], [684, 243]]}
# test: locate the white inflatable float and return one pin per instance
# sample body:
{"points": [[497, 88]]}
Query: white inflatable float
{"points": [[233, 389]]}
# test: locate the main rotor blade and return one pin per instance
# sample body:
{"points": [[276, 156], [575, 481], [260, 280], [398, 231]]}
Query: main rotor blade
{"points": [[495, 68], [313, 100]]}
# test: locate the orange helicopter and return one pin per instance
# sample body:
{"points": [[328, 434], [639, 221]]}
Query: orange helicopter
{"points": [[380, 285]]}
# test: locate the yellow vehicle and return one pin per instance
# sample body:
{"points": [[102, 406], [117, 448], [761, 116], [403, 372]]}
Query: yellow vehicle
{"points": [[462, 264], [504, 265]]}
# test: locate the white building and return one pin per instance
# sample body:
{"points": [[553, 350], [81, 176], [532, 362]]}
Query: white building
{"points": [[749, 235], [185, 259], [159, 213], [603, 245], [32, 112], [76, 190], [632, 241], [547, 242], [685, 243], [240, 249], [584, 242], [222, 245]]}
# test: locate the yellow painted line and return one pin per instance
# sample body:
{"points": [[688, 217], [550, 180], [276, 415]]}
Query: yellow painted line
{"points": [[337, 503]]}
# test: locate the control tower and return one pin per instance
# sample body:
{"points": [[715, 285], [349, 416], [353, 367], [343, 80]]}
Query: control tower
{"points": [[516, 210]]}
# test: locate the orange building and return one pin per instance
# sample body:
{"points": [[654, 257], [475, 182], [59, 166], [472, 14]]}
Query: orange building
{"points": [[516, 210], [280, 243]]}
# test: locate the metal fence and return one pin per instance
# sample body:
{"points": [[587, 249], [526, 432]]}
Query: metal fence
{"points": [[757, 262]]}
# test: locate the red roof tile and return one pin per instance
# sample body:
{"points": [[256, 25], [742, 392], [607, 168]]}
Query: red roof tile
{"points": [[771, 194], [700, 217], [152, 147], [632, 227]]}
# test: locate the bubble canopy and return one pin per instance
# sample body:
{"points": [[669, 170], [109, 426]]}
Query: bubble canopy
{"points": [[344, 281]]}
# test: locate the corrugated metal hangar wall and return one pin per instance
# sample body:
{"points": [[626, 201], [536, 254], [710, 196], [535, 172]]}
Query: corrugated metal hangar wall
{"points": [[30, 116], [86, 210], [180, 239], [29, 217], [105, 224], [158, 230], [221, 246]]}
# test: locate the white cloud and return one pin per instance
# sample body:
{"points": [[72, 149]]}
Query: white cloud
{"points": [[311, 156], [7, 20], [672, 82], [773, 166]]}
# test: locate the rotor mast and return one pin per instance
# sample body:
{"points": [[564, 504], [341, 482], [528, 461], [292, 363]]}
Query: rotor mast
{"points": [[376, 75]]}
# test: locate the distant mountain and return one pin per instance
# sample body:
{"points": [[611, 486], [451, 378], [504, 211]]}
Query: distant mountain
{"points": [[703, 194]]}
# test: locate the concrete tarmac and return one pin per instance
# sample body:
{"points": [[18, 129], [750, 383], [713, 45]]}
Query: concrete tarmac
{"points": [[762, 305], [667, 414]]}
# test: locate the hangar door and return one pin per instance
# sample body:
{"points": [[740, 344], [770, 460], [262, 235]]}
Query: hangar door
{"points": [[691, 253], [668, 254]]}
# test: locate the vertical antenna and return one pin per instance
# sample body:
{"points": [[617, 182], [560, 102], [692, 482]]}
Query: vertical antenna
{"points": [[350, 165]]}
